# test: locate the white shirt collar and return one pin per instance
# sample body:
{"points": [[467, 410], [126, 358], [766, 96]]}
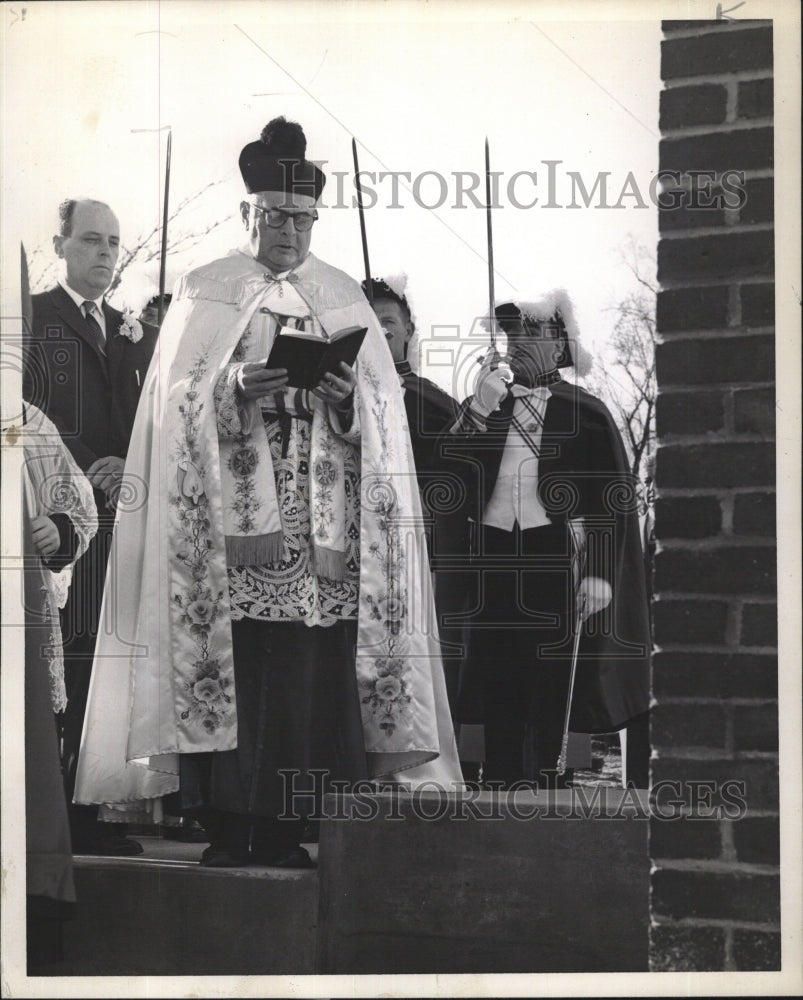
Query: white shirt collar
{"points": [[79, 299], [99, 314]]}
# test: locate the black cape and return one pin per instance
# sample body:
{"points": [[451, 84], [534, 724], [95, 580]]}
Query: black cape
{"points": [[583, 472]]}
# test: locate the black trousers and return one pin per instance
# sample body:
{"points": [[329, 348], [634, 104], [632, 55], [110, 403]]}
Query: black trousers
{"points": [[299, 724], [79, 630], [519, 641]]}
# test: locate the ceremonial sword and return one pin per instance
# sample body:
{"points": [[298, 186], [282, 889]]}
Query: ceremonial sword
{"points": [[579, 544], [369, 292]]}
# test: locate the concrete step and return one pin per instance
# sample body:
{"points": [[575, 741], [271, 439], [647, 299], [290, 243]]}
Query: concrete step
{"points": [[406, 884], [162, 914], [506, 883]]}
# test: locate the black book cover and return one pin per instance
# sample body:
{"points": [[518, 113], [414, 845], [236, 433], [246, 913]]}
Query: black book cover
{"points": [[307, 359]]}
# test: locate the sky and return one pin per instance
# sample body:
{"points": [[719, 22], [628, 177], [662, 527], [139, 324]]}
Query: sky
{"points": [[420, 86]]}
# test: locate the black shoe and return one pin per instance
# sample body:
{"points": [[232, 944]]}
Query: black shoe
{"points": [[311, 832], [188, 832], [284, 857], [110, 846], [224, 857]]}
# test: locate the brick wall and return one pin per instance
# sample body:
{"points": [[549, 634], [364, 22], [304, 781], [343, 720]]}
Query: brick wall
{"points": [[715, 881]]}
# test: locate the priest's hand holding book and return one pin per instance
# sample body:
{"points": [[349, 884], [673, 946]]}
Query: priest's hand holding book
{"points": [[256, 381], [306, 361]]}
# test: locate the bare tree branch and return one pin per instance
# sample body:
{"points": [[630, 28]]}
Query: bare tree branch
{"points": [[627, 382]]}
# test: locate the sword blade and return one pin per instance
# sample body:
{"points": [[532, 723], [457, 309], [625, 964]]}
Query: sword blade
{"points": [[578, 630], [368, 289], [163, 260], [489, 228]]}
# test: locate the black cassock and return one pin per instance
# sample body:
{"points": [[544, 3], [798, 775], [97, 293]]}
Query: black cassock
{"points": [[513, 592]]}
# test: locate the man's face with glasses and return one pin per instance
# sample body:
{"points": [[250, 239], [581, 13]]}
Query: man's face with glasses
{"points": [[279, 227]]}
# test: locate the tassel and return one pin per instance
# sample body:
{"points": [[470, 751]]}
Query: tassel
{"points": [[329, 563], [254, 550]]}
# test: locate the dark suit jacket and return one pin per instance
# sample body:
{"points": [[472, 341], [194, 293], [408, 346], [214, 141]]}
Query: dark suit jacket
{"points": [[430, 411], [92, 400], [582, 473]]}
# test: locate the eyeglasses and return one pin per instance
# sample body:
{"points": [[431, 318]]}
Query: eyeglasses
{"points": [[276, 218]]}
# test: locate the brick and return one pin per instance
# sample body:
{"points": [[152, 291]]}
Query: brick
{"points": [[689, 623], [704, 104], [715, 465], [754, 514], [758, 304], [722, 257], [756, 728], [688, 517], [759, 205], [760, 778], [714, 895], [686, 949], [756, 950], [687, 725], [697, 361], [742, 569], [685, 838], [755, 99], [742, 149], [692, 308], [759, 625], [674, 219], [754, 412], [758, 840], [714, 675], [717, 52], [689, 412]]}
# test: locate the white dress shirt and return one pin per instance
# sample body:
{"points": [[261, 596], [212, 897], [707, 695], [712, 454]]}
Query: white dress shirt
{"points": [[515, 495], [79, 300]]}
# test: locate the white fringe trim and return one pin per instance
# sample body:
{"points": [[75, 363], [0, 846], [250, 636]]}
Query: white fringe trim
{"points": [[254, 550]]}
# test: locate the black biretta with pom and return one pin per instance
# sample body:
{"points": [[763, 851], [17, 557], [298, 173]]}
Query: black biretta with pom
{"points": [[277, 162]]}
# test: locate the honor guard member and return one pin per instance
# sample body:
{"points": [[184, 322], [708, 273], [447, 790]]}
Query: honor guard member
{"points": [[550, 518]]}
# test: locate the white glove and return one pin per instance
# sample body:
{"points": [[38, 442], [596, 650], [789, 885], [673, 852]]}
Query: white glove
{"points": [[489, 390], [594, 594]]}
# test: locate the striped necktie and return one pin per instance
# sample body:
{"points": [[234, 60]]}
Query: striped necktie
{"points": [[94, 326]]}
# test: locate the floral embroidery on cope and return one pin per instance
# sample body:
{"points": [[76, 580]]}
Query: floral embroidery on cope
{"points": [[387, 694], [200, 607], [243, 463], [326, 476]]}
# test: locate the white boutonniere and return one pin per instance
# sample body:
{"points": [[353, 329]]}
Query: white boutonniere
{"points": [[131, 328]]}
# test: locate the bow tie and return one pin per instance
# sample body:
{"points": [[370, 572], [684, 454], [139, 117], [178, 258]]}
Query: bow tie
{"points": [[522, 392]]}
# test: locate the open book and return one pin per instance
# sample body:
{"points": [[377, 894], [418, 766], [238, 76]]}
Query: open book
{"points": [[307, 358]]}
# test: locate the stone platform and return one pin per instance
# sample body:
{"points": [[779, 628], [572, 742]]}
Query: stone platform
{"points": [[431, 883]]}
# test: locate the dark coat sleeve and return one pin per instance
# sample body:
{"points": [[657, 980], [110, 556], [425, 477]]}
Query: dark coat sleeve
{"points": [[68, 543], [50, 370]]}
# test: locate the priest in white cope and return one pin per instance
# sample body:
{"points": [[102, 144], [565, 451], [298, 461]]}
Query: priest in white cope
{"points": [[269, 597]]}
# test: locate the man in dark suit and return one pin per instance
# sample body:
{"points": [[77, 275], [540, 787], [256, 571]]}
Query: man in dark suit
{"points": [[85, 363], [550, 518]]}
